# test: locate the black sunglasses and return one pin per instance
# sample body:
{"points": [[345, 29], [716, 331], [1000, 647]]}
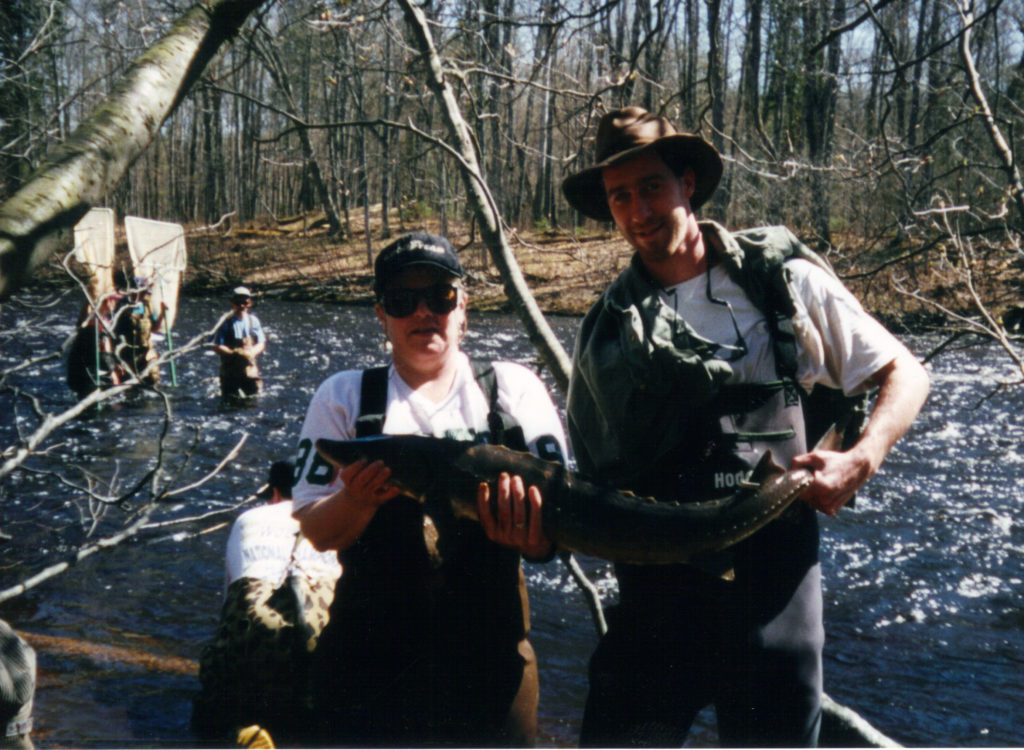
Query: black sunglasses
{"points": [[441, 299]]}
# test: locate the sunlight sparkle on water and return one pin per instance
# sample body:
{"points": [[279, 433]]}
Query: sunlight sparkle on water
{"points": [[558, 579], [977, 585], [949, 431]]}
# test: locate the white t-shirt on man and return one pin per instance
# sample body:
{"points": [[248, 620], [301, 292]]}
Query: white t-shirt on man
{"points": [[839, 344]]}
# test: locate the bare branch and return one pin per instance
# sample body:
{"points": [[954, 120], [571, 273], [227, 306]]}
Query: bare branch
{"points": [[484, 206], [36, 219], [81, 554], [1003, 149], [230, 456]]}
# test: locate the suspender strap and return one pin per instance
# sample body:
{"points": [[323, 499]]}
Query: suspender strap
{"points": [[373, 402], [483, 373]]}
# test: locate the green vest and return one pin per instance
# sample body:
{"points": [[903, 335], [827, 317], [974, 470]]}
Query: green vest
{"points": [[641, 386]]}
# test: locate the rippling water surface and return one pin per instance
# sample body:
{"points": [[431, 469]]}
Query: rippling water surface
{"points": [[923, 579]]}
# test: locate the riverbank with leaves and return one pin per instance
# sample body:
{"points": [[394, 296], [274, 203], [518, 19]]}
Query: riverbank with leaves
{"points": [[567, 271]]}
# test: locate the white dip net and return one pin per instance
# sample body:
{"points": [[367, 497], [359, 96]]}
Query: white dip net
{"points": [[94, 249], [158, 254]]}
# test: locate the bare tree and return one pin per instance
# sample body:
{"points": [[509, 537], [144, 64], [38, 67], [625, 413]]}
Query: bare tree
{"points": [[36, 219], [268, 53], [484, 206], [1001, 146]]}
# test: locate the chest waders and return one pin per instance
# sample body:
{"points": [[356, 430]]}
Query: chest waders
{"points": [[427, 644], [139, 335], [743, 420], [761, 272], [238, 373], [503, 428], [464, 569]]}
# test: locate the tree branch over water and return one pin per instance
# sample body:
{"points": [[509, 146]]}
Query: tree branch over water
{"points": [[39, 217], [125, 502], [484, 207]]}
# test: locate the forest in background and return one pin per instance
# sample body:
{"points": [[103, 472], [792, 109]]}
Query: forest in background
{"points": [[878, 127]]}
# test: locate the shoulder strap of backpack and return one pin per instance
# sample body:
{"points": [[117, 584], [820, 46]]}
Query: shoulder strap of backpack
{"points": [[373, 401], [756, 260], [760, 269]]}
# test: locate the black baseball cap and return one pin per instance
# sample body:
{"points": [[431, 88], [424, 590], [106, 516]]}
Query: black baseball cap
{"points": [[416, 249], [281, 478]]}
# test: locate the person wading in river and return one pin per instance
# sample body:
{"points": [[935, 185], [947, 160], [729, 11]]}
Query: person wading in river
{"points": [[691, 365], [91, 362], [426, 643], [238, 341], [135, 322]]}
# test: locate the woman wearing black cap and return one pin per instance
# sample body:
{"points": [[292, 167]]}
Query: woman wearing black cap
{"points": [[427, 639]]}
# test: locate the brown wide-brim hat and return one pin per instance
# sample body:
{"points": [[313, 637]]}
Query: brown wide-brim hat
{"points": [[625, 134]]}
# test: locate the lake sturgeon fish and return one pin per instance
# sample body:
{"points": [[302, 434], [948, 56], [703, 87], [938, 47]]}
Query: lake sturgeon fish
{"points": [[578, 515]]}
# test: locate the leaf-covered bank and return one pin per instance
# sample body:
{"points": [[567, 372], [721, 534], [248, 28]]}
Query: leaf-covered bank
{"points": [[567, 272], [297, 259]]}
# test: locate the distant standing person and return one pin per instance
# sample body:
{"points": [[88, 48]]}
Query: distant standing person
{"points": [[134, 324], [91, 364], [238, 341]]}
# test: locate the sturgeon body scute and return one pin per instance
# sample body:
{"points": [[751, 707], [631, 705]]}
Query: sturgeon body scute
{"points": [[577, 514]]}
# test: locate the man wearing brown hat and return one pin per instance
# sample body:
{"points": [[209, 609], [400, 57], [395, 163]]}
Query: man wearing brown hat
{"points": [[692, 364]]}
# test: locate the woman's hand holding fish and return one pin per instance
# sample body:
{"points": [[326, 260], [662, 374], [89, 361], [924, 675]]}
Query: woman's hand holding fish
{"points": [[335, 521], [513, 517], [368, 483]]}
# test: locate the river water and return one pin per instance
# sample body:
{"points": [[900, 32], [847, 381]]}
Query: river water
{"points": [[924, 615]]}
